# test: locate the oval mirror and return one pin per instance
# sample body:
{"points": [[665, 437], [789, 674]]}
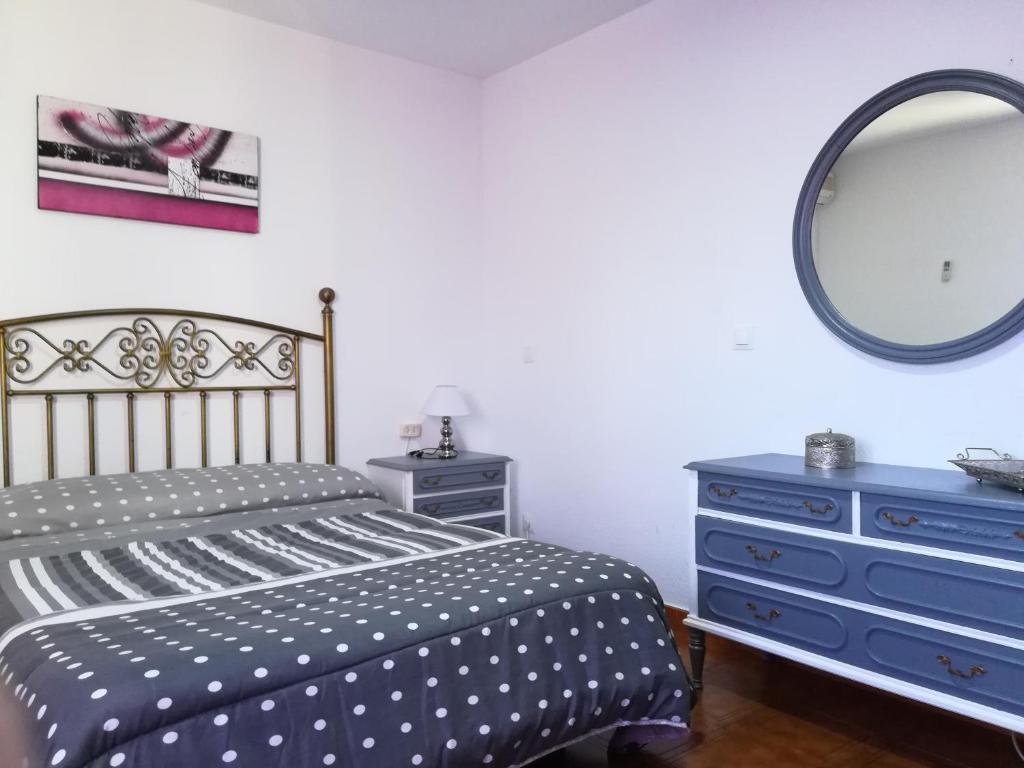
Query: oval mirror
{"points": [[909, 228]]}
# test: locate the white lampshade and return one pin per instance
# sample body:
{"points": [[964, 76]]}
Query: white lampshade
{"points": [[446, 400]]}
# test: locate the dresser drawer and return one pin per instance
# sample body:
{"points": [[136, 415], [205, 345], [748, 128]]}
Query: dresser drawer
{"points": [[786, 502], [494, 523], [986, 531], [798, 621], [454, 504], [454, 478], [803, 561], [965, 594], [970, 669]]}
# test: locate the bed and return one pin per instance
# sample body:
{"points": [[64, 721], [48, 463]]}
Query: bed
{"points": [[282, 613]]}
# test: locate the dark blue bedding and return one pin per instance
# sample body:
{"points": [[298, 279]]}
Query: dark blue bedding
{"points": [[342, 632]]}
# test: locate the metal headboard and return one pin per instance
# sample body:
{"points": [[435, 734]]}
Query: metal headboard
{"points": [[142, 357]]}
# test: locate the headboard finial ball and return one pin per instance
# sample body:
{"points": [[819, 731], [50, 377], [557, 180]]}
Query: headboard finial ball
{"points": [[327, 296]]}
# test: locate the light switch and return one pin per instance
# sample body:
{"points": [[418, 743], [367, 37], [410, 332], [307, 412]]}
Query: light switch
{"points": [[529, 355], [742, 337]]}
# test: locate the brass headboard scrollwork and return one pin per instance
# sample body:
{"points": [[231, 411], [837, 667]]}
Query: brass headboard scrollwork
{"points": [[143, 356]]}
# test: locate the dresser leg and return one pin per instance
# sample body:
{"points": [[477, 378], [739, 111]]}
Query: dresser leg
{"points": [[697, 648]]}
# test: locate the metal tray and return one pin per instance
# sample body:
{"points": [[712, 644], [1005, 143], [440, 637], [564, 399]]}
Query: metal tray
{"points": [[1004, 470]]}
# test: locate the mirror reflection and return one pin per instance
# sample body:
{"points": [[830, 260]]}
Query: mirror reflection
{"points": [[917, 231]]}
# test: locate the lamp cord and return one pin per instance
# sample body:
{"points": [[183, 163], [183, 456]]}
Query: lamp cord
{"points": [[1016, 746], [428, 453]]}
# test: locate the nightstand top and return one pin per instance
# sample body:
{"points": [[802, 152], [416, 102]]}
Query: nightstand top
{"points": [[465, 458]]}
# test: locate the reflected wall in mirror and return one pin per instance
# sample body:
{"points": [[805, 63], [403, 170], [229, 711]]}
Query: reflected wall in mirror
{"points": [[919, 241], [908, 237]]}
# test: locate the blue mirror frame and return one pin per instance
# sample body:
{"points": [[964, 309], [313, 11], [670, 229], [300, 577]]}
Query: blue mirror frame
{"points": [[1012, 322]]}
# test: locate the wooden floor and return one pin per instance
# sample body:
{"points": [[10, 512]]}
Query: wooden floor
{"points": [[769, 713]]}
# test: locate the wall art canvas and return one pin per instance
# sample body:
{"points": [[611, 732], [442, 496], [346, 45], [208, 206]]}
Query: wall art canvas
{"points": [[112, 162]]}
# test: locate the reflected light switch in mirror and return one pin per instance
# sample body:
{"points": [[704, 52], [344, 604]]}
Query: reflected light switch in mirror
{"points": [[742, 337]]}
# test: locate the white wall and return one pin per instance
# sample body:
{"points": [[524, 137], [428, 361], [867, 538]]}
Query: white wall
{"points": [[639, 190], [904, 207], [636, 201], [371, 184]]}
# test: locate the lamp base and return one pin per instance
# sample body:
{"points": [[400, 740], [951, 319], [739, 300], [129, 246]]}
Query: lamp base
{"points": [[446, 448]]}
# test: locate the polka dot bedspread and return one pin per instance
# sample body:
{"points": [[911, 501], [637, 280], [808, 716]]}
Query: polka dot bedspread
{"points": [[311, 625]]}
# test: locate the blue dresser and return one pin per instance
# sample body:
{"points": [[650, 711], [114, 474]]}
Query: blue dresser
{"points": [[908, 579]]}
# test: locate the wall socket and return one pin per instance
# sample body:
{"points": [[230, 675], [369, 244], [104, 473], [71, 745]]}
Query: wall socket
{"points": [[410, 430]]}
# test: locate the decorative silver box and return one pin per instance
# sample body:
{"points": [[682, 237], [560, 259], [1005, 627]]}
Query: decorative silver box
{"points": [[830, 450]]}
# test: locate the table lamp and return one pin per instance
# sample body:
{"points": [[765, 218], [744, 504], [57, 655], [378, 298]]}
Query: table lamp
{"points": [[446, 401]]}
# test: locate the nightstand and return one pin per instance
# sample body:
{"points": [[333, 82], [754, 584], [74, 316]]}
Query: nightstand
{"points": [[471, 489]]}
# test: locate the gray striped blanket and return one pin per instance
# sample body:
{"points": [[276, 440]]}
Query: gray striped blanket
{"points": [[231, 541]]}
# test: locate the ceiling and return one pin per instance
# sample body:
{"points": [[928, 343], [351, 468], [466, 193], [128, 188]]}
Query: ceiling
{"points": [[474, 37]]}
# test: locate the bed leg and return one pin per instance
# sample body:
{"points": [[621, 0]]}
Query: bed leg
{"points": [[697, 649]]}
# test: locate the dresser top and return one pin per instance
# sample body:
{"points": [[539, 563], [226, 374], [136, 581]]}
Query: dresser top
{"points": [[465, 458], [891, 479]]}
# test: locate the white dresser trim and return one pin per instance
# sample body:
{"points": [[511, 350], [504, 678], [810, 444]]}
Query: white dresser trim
{"points": [[693, 509]]}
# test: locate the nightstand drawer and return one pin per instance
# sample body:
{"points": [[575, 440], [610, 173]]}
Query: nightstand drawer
{"points": [[457, 477], [786, 502], [987, 531], [494, 523], [454, 504]]}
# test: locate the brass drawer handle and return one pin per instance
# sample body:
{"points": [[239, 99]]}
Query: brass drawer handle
{"points": [[717, 490], [975, 671], [826, 508], [491, 474], [901, 523], [432, 480], [773, 614], [489, 501], [430, 509], [1019, 534], [763, 558]]}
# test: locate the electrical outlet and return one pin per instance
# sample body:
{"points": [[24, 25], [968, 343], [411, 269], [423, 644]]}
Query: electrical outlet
{"points": [[410, 430]]}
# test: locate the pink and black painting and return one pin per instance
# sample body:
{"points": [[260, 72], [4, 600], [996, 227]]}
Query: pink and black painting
{"points": [[112, 162]]}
